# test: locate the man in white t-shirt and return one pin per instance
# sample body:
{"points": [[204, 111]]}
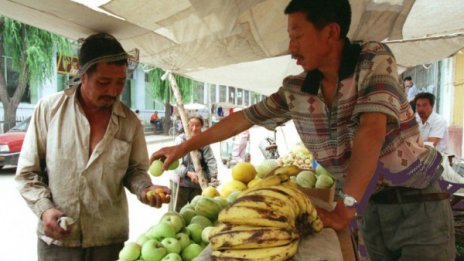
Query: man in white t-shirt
{"points": [[433, 127]]}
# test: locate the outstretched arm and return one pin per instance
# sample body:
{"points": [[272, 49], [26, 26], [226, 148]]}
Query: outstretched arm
{"points": [[228, 127]]}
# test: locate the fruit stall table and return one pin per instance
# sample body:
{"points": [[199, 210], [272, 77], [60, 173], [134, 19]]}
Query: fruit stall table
{"points": [[325, 245]]}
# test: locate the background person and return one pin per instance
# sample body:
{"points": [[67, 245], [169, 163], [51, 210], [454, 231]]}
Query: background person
{"points": [[433, 127], [83, 146], [185, 179], [156, 121], [351, 112]]}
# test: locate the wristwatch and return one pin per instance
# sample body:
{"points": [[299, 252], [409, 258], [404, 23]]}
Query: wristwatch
{"points": [[348, 201]]}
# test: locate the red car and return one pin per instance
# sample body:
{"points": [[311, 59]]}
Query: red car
{"points": [[11, 143]]}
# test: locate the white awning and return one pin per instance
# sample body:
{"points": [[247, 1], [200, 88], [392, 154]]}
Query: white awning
{"points": [[243, 43]]}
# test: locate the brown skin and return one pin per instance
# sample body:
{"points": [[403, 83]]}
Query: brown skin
{"points": [[97, 94], [313, 49], [424, 109]]}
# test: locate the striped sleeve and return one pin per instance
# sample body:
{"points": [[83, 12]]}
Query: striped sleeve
{"points": [[270, 112]]}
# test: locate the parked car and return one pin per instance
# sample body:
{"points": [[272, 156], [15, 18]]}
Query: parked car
{"points": [[11, 143]]}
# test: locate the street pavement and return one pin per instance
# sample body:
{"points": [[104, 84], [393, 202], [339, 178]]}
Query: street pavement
{"points": [[18, 223]]}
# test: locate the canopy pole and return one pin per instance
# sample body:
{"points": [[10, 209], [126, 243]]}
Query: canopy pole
{"points": [[183, 116]]}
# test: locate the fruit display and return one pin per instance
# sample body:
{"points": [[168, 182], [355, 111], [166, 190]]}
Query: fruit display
{"points": [[300, 156], [320, 178], [265, 222], [178, 236]]}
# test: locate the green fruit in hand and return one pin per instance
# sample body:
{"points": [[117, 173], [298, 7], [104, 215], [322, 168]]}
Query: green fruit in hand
{"points": [[174, 165], [156, 168]]}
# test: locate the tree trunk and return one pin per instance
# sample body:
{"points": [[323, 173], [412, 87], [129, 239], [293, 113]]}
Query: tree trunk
{"points": [[183, 116], [10, 104]]}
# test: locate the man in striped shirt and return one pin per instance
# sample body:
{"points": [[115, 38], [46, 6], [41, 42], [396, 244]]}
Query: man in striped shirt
{"points": [[352, 113]]}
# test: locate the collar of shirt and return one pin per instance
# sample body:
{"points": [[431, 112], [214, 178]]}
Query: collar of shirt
{"points": [[350, 56]]}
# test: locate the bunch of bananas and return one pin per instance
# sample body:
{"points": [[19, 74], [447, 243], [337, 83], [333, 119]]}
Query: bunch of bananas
{"points": [[265, 223]]}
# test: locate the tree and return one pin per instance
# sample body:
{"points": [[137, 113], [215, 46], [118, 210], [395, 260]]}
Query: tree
{"points": [[161, 90], [31, 51]]}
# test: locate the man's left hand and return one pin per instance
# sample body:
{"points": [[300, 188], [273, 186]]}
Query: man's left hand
{"points": [[337, 219], [156, 195]]}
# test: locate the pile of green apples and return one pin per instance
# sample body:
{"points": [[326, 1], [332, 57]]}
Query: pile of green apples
{"points": [[178, 236]]}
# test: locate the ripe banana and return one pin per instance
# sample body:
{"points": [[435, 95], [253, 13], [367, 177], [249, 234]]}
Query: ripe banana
{"points": [[299, 196], [249, 237], [317, 225], [278, 195], [290, 170], [238, 215], [267, 202], [279, 253], [272, 180]]}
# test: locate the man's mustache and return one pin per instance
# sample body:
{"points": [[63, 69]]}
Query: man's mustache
{"points": [[104, 97]]}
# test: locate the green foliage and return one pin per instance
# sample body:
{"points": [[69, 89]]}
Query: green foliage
{"points": [[39, 46], [160, 90]]}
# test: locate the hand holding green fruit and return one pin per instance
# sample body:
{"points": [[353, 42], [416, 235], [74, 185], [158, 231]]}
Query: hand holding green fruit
{"points": [[156, 167]]}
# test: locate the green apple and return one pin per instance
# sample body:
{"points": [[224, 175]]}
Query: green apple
{"points": [[172, 245], [174, 165], [161, 231], [201, 220], [156, 168], [175, 219], [205, 234], [185, 231], [187, 214], [172, 257], [195, 232], [130, 252], [183, 239], [142, 239], [152, 250], [191, 251]]}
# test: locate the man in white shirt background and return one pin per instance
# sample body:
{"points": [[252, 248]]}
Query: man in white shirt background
{"points": [[433, 127]]}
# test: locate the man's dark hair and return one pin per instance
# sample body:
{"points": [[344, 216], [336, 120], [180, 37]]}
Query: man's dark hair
{"points": [[98, 45], [425, 95], [407, 78], [198, 118], [323, 12]]}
